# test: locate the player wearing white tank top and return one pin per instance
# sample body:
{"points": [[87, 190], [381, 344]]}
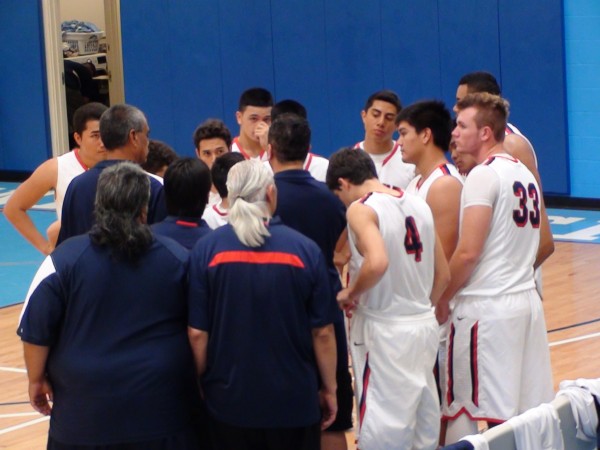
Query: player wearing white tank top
{"points": [[254, 117], [56, 174], [397, 271], [378, 116], [492, 281], [516, 144]]}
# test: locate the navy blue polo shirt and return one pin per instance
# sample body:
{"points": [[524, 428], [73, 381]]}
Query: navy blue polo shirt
{"points": [[308, 206], [259, 306], [78, 205], [184, 230], [120, 363]]}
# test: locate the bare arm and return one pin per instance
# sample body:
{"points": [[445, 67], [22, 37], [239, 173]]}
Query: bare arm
{"points": [[326, 356], [26, 196], [364, 224], [199, 343], [441, 272], [341, 255], [40, 390], [520, 148], [476, 224], [444, 200]]}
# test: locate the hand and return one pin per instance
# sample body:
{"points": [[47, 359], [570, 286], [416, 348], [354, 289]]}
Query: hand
{"points": [[39, 395], [262, 133], [328, 401], [442, 312], [347, 301]]}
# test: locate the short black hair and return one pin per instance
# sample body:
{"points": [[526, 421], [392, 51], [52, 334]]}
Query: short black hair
{"points": [[289, 136], [211, 129], [220, 169], [353, 164], [256, 96], [481, 82], [85, 113], [159, 155], [187, 185], [385, 96], [431, 114], [288, 106]]}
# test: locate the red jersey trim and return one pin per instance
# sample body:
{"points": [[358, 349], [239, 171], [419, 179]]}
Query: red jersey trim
{"points": [[236, 141], [308, 162], [79, 160], [187, 224], [219, 212], [251, 257]]}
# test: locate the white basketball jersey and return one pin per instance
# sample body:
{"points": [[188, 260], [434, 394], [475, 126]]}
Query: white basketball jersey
{"points": [[506, 262], [406, 225], [317, 166], [216, 216], [68, 167], [420, 187], [236, 147], [391, 170], [511, 129]]}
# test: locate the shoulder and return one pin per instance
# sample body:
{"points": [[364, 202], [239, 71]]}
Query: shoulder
{"points": [[69, 252], [171, 246]]}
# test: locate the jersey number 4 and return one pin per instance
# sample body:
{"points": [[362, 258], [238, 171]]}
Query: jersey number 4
{"points": [[522, 215], [412, 240]]}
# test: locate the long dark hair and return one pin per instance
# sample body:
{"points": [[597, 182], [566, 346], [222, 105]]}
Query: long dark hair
{"points": [[121, 201]]}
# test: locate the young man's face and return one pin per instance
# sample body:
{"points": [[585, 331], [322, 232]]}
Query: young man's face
{"points": [[466, 135], [464, 163], [210, 149], [379, 121], [411, 142], [89, 140], [461, 92], [252, 117]]}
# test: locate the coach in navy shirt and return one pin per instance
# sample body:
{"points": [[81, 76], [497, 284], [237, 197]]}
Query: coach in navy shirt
{"points": [[124, 133], [260, 314], [309, 207], [104, 329], [187, 185]]}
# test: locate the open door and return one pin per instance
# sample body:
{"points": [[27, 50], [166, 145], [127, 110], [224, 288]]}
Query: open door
{"points": [[55, 68]]}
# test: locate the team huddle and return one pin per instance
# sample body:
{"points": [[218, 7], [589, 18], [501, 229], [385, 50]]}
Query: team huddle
{"points": [[216, 302]]}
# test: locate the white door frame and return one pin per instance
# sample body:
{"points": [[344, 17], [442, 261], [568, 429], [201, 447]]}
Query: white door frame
{"points": [[55, 77]]}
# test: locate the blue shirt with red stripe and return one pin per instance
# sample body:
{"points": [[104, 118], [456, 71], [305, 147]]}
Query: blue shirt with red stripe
{"points": [[259, 306], [187, 231]]}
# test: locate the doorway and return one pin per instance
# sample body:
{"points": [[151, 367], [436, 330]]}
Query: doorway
{"points": [[112, 57]]}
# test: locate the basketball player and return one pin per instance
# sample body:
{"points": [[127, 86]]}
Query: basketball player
{"points": [[518, 146], [56, 174], [211, 140], [492, 282], [254, 117], [379, 119], [217, 215], [313, 163], [396, 272], [424, 134]]}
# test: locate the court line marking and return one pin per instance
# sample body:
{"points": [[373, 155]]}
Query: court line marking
{"points": [[575, 339], [13, 369], [24, 425], [24, 414]]}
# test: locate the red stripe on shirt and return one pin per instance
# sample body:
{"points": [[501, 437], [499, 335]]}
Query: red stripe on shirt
{"points": [[251, 257], [79, 160], [184, 223], [474, 372], [365, 387], [308, 161], [243, 152], [396, 147]]}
